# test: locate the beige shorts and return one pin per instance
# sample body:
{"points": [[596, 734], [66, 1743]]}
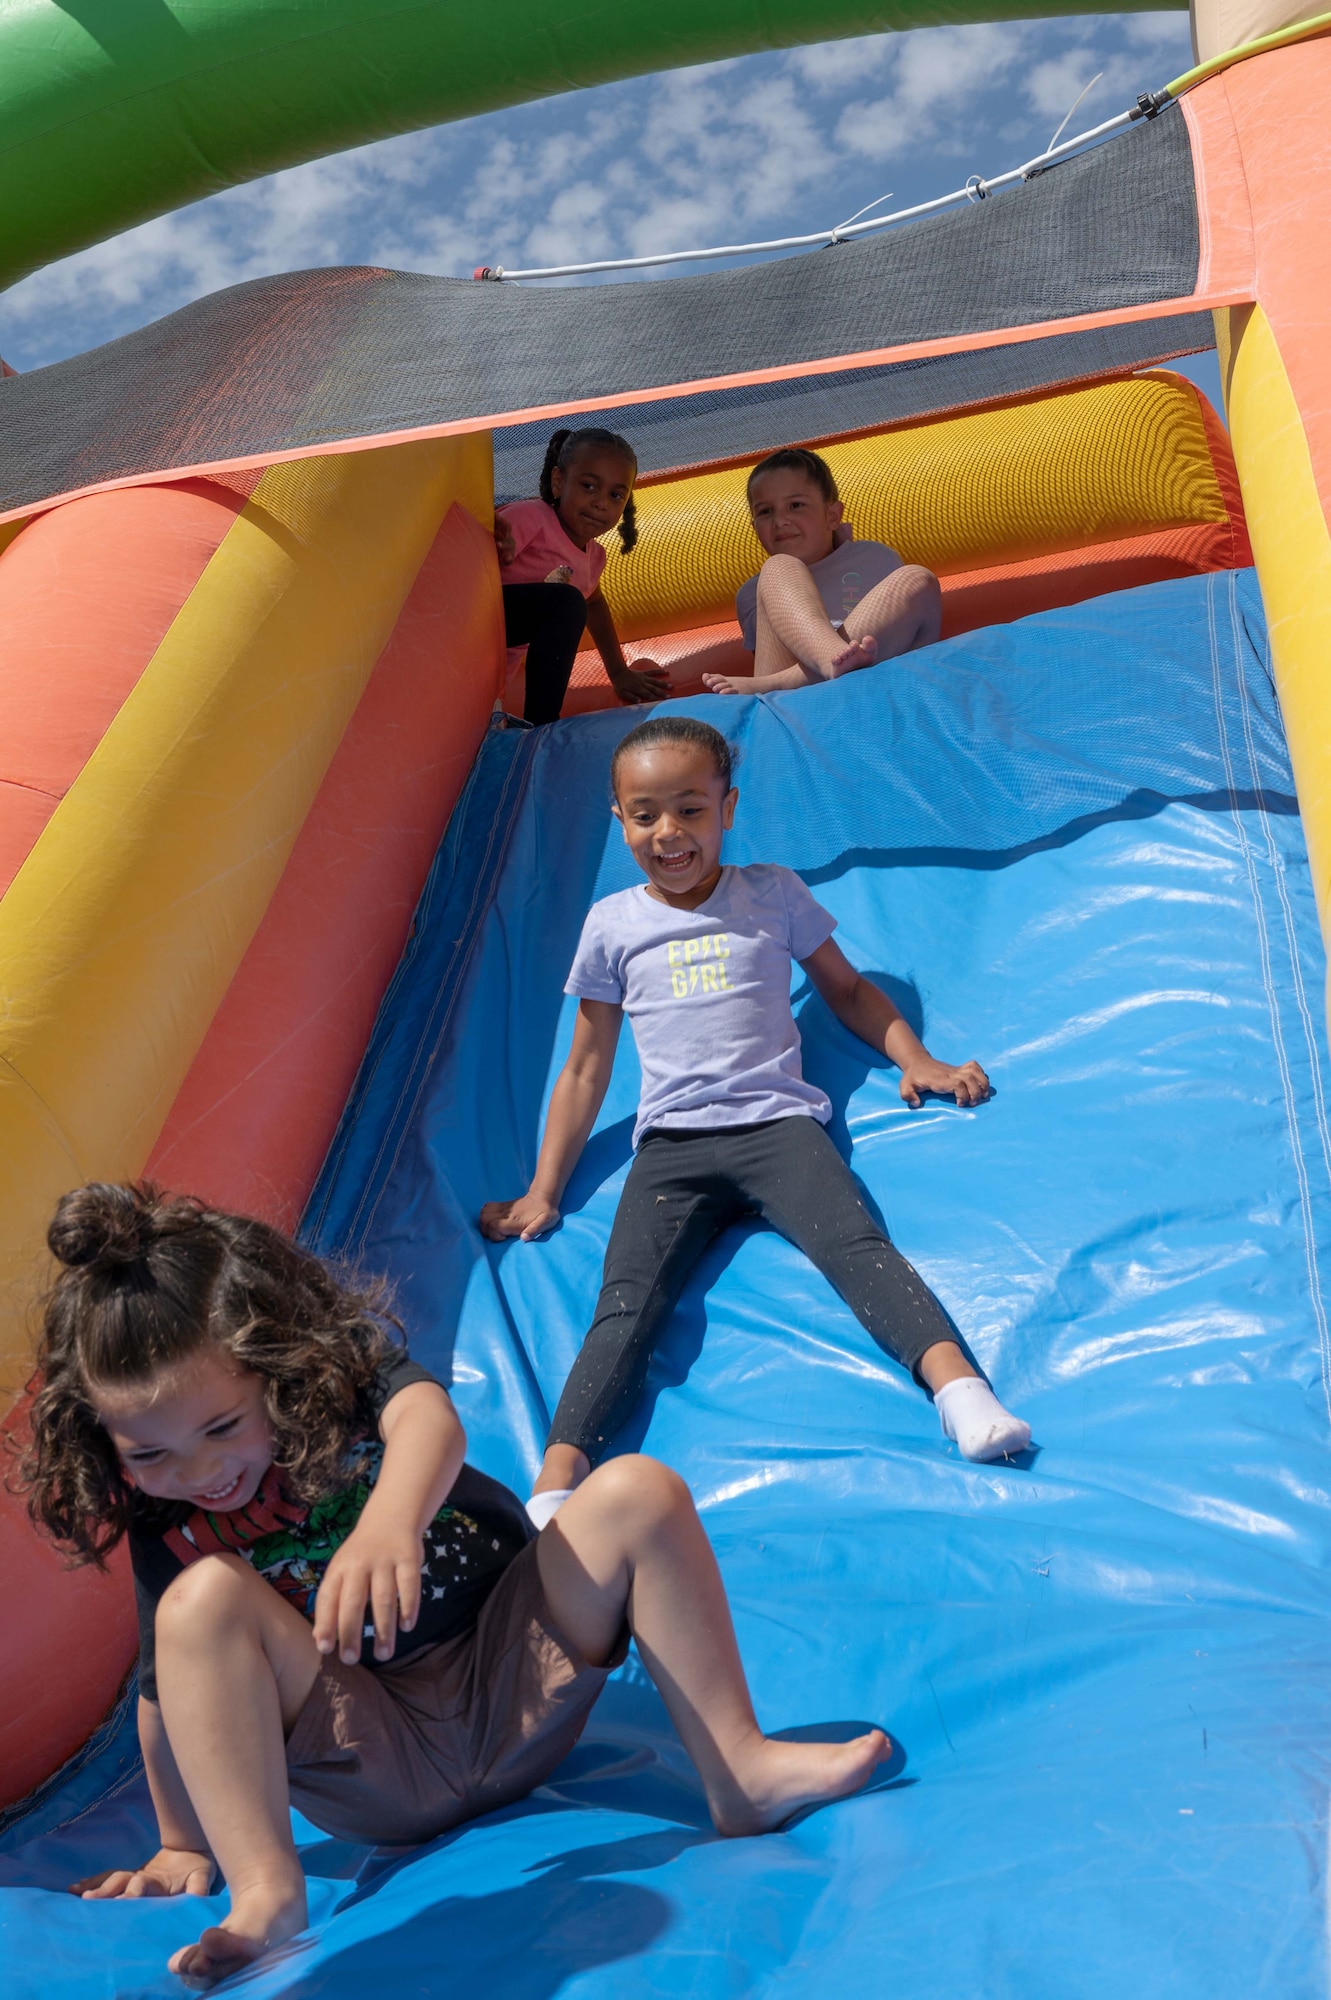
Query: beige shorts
{"points": [[398, 1754]]}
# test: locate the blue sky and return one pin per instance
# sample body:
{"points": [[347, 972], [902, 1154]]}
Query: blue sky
{"points": [[765, 145]]}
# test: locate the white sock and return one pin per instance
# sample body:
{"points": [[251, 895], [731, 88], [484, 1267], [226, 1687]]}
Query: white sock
{"points": [[543, 1507], [973, 1417]]}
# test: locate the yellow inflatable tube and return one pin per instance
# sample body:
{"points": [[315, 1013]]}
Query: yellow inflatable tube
{"points": [[1095, 465], [1292, 549], [121, 931], [1261, 140]]}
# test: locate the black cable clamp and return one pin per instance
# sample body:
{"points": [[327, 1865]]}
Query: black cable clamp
{"points": [[1151, 103]]}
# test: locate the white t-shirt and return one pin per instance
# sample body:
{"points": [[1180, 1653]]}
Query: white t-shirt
{"points": [[708, 993], [842, 579]]}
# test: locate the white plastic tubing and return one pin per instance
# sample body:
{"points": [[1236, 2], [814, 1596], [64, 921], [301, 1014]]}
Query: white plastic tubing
{"points": [[844, 232]]}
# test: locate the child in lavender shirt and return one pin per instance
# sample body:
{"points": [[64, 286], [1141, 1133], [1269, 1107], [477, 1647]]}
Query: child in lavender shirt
{"points": [[699, 956]]}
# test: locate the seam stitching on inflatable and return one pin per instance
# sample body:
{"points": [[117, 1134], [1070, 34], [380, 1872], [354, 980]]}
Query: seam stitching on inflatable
{"points": [[1276, 864], [1273, 1009], [1197, 139]]}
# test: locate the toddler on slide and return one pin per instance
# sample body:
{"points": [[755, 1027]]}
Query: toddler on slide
{"points": [[335, 1610], [822, 604], [699, 956]]}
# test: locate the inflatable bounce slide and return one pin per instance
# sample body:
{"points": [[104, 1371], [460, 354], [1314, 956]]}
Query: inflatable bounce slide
{"points": [[288, 900]]}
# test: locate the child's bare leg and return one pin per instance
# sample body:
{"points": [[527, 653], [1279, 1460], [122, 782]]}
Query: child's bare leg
{"points": [[788, 644], [796, 640], [774, 667], [629, 1544], [902, 612], [790, 606], [942, 1363], [235, 1664], [562, 1468]]}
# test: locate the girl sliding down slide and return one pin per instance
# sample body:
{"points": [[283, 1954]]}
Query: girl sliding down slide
{"points": [[700, 958], [822, 604], [550, 562], [284, 1473]]}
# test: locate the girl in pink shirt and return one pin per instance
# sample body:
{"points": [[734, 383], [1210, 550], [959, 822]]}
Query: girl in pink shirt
{"points": [[551, 560]]}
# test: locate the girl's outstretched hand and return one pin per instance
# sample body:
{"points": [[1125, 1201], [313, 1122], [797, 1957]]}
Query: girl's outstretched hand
{"points": [[647, 681], [379, 1566], [173, 1871], [530, 1216], [923, 1077]]}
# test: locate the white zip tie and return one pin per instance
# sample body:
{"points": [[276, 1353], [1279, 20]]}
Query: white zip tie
{"points": [[976, 189], [1067, 115]]}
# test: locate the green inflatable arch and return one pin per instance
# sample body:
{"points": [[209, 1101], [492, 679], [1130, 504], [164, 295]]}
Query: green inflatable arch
{"points": [[113, 111]]}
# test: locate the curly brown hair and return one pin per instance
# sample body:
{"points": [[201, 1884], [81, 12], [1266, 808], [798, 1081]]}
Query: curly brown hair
{"points": [[148, 1280]]}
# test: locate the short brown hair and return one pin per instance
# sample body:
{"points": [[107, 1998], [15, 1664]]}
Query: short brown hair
{"points": [[149, 1279], [796, 458]]}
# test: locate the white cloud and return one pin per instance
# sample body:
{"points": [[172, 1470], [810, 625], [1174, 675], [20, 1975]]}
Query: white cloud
{"points": [[770, 145], [932, 78], [830, 66], [1053, 86], [1167, 31]]}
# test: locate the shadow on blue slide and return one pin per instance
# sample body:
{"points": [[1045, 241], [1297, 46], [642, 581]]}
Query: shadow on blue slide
{"points": [[1071, 846]]}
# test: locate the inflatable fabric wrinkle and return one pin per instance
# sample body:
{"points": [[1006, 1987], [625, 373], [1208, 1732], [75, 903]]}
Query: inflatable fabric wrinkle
{"points": [[1136, 805], [1227, 255], [462, 875]]}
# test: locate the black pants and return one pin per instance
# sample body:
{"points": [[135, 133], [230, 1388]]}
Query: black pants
{"points": [[548, 619], [683, 1189]]}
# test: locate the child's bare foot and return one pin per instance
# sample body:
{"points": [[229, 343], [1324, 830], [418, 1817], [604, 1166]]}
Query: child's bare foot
{"points": [[776, 1780], [859, 653], [728, 684], [261, 1917]]}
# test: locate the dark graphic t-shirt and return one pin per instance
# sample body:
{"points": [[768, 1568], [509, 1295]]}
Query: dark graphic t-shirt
{"points": [[466, 1548]]}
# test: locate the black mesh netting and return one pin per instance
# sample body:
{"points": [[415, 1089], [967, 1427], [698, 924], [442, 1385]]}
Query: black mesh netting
{"points": [[759, 416], [318, 357]]}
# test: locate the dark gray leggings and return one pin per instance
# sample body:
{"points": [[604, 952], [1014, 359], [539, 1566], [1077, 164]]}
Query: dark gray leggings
{"points": [[683, 1189]]}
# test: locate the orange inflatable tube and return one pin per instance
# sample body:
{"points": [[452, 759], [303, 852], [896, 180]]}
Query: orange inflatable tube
{"points": [[259, 1108], [255, 1110]]}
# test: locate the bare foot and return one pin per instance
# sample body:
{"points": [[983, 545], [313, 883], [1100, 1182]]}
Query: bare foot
{"points": [[859, 653], [725, 684], [563, 1468], [778, 1779], [260, 1918]]}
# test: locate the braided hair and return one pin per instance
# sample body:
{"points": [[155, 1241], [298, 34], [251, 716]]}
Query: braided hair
{"points": [[564, 447]]}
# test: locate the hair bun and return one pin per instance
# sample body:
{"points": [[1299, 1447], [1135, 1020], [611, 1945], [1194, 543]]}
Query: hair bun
{"points": [[102, 1224]]}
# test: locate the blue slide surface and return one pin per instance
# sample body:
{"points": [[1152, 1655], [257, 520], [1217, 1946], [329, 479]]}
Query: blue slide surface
{"points": [[1070, 848]]}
